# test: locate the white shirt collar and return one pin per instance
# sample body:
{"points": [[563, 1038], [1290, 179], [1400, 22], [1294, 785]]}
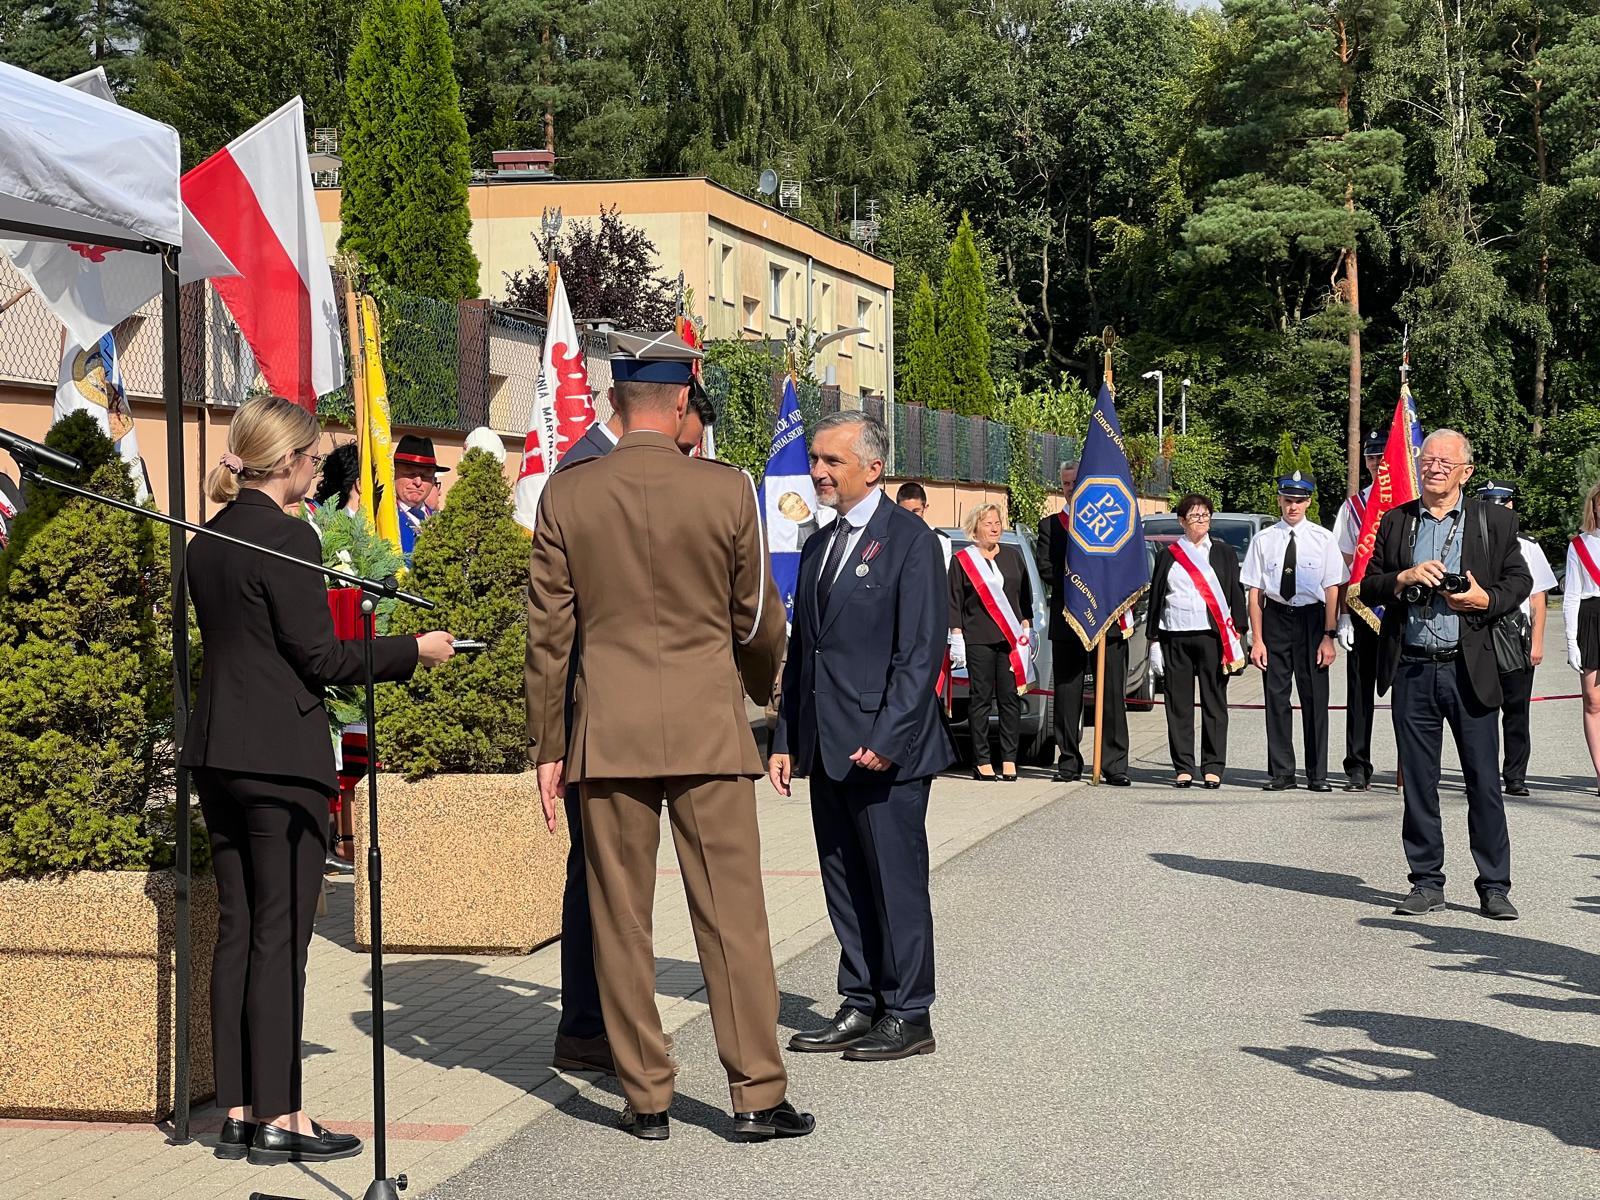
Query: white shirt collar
{"points": [[862, 512], [606, 432]]}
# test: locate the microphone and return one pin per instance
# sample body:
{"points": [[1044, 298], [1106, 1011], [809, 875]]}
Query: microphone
{"points": [[31, 454]]}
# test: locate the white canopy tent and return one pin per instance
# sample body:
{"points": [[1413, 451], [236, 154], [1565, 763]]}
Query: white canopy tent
{"points": [[80, 169]]}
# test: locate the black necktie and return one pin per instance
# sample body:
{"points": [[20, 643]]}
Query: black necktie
{"points": [[830, 565], [1286, 580]]}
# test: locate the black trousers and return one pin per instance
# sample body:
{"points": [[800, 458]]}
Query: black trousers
{"points": [[268, 843], [993, 686], [1293, 635], [1516, 716], [1361, 681], [1194, 660], [872, 841], [1428, 696], [580, 988], [1069, 663]]}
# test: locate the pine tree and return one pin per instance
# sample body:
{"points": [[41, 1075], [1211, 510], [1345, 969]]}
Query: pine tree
{"points": [[1288, 459], [924, 378], [406, 162], [964, 327], [1304, 465]]}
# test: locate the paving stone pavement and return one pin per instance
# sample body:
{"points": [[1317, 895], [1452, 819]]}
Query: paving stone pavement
{"points": [[1144, 992]]}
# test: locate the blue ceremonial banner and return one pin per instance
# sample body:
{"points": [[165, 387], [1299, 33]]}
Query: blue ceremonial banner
{"points": [[788, 498], [1106, 566]]}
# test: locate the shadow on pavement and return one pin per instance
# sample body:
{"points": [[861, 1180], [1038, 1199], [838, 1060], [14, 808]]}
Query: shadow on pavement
{"points": [[1289, 879], [1520, 959], [1522, 1080]]}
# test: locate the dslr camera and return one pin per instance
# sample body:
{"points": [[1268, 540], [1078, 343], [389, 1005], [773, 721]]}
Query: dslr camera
{"points": [[1452, 584]]}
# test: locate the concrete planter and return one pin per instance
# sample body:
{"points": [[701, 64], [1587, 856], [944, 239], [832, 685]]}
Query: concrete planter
{"points": [[468, 865], [87, 991]]}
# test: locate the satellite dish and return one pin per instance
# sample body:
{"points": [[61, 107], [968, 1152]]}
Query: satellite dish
{"points": [[769, 182]]}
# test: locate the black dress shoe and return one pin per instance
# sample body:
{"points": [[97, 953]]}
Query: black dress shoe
{"points": [[1067, 775], [892, 1038], [1516, 789], [1320, 785], [1118, 779], [274, 1145], [848, 1026], [768, 1123], [1420, 902], [1279, 783], [1358, 784], [234, 1140], [991, 777], [647, 1127], [1008, 777], [1497, 907]]}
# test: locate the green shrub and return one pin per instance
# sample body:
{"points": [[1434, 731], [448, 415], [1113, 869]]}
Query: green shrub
{"points": [[350, 544], [85, 682], [472, 561]]}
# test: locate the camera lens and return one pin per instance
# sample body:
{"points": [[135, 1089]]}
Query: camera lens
{"points": [[1453, 584]]}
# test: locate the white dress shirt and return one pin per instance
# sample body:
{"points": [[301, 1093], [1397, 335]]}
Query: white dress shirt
{"points": [[1539, 567], [1186, 610], [1318, 563], [1346, 526], [854, 522]]}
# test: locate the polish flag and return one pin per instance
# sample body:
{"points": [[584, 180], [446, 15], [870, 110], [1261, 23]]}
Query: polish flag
{"points": [[255, 199], [563, 406]]}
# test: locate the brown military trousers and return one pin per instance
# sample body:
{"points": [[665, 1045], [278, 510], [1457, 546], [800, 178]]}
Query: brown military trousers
{"points": [[719, 851]]}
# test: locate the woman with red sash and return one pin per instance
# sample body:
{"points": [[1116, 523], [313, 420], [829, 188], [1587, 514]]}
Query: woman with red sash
{"points": [[991, 634], [1581, 602], [1195, 628]]}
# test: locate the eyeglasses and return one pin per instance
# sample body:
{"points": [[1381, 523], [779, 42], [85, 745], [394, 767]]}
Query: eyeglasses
{"points": [[316, 459], [1429, 464], [1198, 517]]}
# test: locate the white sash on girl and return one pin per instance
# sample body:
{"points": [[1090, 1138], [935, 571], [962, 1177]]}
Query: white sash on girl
{"points": [[987, 581], [1205, 581]]}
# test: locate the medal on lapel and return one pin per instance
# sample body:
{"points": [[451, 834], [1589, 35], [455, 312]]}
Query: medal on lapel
{"points": [[867, 555]]}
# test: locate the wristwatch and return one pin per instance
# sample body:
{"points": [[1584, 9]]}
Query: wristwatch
{"points": [[1330, 633]]}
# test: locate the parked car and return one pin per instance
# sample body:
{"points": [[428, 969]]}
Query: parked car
{"points": [[1232, 527]]}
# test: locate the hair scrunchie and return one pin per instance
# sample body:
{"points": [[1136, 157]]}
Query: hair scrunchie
{"points": [[233, 462]]}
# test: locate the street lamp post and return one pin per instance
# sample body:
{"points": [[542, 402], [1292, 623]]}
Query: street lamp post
{"points": [[1161, 422], [1183, 411]]}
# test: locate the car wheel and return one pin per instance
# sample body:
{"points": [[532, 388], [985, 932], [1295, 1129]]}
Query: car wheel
{"points": [[1143, 698]]}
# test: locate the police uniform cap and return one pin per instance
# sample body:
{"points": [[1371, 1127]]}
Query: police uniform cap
{"points": [[1377, 442], [652, 358], [1297, 485], [1498, 491]]}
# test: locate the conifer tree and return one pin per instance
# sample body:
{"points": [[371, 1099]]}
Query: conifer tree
{"points": [[964, 327], [925, 378]]}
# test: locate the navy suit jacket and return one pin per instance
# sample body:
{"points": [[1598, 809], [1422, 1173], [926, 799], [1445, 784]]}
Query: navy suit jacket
{"points": [[864, 674]]}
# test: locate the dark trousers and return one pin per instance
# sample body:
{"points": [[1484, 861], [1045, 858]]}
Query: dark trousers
{"points": [[1515, 713], [1069, 663], [872, 840], [1427, 696], [1361, 681], [1194, 660], [268, 843], [993, 686], [1292, 637], [580, 989]]}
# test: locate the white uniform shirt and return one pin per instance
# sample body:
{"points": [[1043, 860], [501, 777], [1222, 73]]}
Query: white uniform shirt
{"points": [[1347, 526], [1318, 563], [1539, 567], [1185, 610], [1580, 585]]}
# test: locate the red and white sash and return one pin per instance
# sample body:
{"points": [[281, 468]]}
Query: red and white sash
{"points": [[993, 598], [1587, 559], [1205, 581]]}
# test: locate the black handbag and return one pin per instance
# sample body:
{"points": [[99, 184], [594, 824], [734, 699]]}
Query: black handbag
{"points": [[1511, 635]]}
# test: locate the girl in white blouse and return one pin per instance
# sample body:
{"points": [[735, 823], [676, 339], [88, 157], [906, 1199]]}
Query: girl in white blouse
{"points": [[1581, 602]]}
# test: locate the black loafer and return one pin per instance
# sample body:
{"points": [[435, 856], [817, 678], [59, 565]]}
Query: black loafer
{"points": [[890, 1039], [1497, 907], [1516, 789], [647, 1127], [234, 1140], [1320, 785], [274, 1145], [849, 1025], [1063, 775], [1279, 783], [768, 1123], [1118, 779]]}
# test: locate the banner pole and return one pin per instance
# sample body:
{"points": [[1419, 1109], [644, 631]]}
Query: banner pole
{"points": [[1099, 704]]}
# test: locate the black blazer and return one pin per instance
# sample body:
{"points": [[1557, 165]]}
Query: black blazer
{"points": [[1050, 555], [1498, 567], [864, 675], [967, 612], [1225, 563], [269, 649]]}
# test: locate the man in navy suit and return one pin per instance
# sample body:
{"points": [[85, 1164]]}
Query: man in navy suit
{"points": [[858, 716]]}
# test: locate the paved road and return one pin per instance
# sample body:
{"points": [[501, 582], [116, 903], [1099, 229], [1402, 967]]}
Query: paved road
{"points": [[1155, 993]]}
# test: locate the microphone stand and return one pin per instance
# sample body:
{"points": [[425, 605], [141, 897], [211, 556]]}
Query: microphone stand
{"points": [[373, 590]]}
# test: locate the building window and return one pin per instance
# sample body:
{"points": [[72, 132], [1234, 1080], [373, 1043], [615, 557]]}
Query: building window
{"points": [[752, 313], [775, 292], [722, 274], [711, 268], [825, 308], [864, 319]]}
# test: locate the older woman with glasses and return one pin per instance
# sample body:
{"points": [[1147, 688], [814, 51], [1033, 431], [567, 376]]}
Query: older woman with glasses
{"points": [[991, 631], [1195, 623]]}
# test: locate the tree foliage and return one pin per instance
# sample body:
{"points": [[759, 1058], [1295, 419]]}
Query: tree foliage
{"points": [[964, 327], [609, 269]]}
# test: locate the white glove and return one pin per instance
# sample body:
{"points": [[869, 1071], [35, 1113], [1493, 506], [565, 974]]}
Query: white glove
{"points": [[1156, 663], [1346, 636], [1574, 658], [958, 652]]}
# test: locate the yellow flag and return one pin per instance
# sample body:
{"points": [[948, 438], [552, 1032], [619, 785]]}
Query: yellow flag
{"points": [[377, 452]]}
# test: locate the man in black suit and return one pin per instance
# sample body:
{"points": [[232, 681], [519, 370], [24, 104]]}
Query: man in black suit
{"points": [[858, 716], [1437, 651], [1070, 662]]}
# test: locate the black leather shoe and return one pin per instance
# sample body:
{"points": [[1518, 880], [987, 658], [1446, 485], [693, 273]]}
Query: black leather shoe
{"points": [[1279, 783], [1516, 789], [1320, 785], [1358, 783], [1067, 775], [274, 1145], [1497, 907], [891, 1038], [1211, 785], [768, 1123], [1419, 902], [234, 1140], [648, 1127], [848, 1026], [1118, 779]]}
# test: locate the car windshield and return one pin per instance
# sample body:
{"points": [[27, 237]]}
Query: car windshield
{"points": [[1232, 530]]}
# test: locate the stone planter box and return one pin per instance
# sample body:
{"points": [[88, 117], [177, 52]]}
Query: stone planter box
{"points": [[468, 865], [87, 978]]}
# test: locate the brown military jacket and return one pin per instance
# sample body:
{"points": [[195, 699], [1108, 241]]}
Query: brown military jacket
{"points": [[656, 562]]}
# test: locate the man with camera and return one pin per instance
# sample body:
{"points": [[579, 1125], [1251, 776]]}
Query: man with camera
{"points": [[1454, 568]]}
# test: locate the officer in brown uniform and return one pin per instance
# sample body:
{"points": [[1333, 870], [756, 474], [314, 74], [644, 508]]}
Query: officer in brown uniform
{"points": [[634, 554]]}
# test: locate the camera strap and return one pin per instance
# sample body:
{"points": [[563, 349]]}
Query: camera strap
{"points": [[1456, 519]]}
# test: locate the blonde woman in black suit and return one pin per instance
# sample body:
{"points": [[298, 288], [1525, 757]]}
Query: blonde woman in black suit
{"points": [[259, 746]]}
